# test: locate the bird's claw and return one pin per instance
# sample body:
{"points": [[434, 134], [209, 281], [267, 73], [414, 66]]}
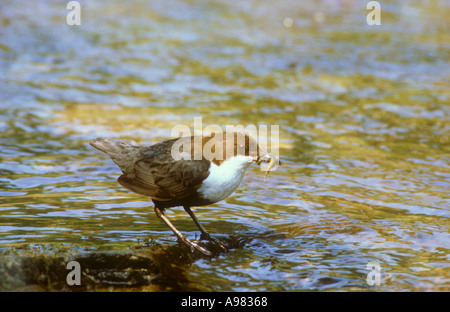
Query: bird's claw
{"points": [[206, 236]]}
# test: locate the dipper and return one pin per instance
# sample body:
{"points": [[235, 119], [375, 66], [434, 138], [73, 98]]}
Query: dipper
{"points": [[187, 171]]}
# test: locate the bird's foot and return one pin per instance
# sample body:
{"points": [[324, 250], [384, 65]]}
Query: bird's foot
{"points": [[194, 246], [206, 236]]}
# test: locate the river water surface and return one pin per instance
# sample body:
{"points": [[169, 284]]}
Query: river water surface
{"points": [[364, 121]]}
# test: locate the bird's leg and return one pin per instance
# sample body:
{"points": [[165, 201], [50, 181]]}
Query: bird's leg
{"points": [[205, 234], [180, 236]]}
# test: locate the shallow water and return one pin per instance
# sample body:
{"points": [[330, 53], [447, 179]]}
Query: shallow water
{"points": [[364, 122]]}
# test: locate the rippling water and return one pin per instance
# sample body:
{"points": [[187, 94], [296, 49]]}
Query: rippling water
{"points": [[364, 127]]}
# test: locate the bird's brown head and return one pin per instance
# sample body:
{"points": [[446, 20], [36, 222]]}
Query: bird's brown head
{"points": [[230, 144]]}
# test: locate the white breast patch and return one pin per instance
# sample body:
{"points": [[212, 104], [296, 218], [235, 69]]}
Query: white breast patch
{"points": [[224, 179]]}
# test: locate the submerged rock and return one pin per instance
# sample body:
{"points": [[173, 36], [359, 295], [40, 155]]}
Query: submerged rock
{"points": [[150, 268]]}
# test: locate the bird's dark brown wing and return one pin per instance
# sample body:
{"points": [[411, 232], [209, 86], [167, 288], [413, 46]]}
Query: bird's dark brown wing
{"points": [[168, 179]]}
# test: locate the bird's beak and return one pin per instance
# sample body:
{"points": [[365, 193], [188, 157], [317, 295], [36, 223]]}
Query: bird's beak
{"points": [[263, 157]]}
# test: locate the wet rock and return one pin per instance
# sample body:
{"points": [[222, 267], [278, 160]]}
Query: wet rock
{"points": [[105, 270], [141, 268]]}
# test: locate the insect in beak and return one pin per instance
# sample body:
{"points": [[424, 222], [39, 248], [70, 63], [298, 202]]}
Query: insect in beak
{"points": [[268, 159]]}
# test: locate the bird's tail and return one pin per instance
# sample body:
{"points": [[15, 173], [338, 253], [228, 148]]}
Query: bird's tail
{"points": [[123, 153]]}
